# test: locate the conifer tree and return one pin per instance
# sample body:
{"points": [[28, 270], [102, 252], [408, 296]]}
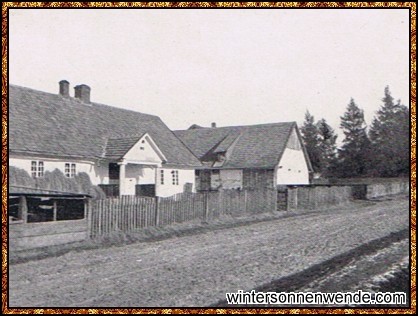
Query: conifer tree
{"points": [[309, 131], [389, 135], [354, 153], [327, 146]]}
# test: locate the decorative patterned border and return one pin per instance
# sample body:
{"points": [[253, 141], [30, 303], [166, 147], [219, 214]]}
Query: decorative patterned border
{"points": [[4, 166]]}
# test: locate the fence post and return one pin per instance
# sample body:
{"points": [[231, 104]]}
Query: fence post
{"points": [[157, 210], [89, 218], [54, 211], [206, 206], [274, 193], [23, 209], [245, 201], [288, 198]]}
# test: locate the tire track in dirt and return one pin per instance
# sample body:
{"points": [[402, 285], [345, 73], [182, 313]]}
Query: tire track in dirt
{"points": [[297, 281]]}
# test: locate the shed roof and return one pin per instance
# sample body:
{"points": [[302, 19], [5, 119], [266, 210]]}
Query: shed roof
{"points": [[16, 190]]}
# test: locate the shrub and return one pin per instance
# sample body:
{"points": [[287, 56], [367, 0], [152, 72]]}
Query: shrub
{"points": [[56, 180], [20, 177]]}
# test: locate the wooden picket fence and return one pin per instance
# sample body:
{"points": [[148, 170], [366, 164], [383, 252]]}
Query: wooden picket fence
{"points": [[130, 213], [126, 213], [314, 197]]}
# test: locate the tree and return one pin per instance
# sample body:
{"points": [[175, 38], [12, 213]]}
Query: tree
{"points": [[309, 131], [327, 147], [389, 135], [354, 153]]}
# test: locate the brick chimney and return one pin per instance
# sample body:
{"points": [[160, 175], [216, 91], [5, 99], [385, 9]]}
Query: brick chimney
{"points": [[213, 125], [82, 92], [64, 88]]}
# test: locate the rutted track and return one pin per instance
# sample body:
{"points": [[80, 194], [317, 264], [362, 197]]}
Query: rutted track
{"points": [[197, 270], [297, 281]]}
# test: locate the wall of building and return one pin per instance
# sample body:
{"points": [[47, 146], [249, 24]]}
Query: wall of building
{"points": [[142, 151], [98, 173], [215, 180], [137, 174], [258, 178], [186, 178], [231, 179], [292, 168]]}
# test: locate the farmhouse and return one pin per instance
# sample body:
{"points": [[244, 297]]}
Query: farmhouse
{"points": [[247, 157], [125, 152]]}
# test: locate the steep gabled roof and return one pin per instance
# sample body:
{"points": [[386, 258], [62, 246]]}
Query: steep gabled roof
{"points": [[117, 147], [50, 124], [253, 146]]}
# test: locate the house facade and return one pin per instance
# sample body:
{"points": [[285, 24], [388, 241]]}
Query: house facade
{"points": [[248, 157], [124, 152]]}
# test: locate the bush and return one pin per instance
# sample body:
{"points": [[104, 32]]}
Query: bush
{"points": [[56, 180], [96, 192], [20, 177]]}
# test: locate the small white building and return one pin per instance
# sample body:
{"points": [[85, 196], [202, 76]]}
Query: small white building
{"points": [[125, 152], [248, 157]]}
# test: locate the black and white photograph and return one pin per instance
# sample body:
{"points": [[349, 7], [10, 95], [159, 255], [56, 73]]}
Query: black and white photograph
{"points": [[213, 158]]}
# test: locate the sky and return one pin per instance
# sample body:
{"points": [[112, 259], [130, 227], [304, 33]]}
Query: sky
{"points": [[232, 67]]}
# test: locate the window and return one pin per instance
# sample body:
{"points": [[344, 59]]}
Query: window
{"points": [[67, 170], [70, 170], [73, 170], [37, 169], [162, 176], [34, 168], [175, 177]]}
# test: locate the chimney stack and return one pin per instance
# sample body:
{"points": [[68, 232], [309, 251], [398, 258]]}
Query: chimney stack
{"points": [[64, 88], [213, 125], [82, 92]]}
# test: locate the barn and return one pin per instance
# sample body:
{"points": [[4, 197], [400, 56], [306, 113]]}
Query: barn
{"points": [[248, 157]]}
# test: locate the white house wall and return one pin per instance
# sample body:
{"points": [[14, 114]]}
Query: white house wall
{"points": [[292, 168], [142, 151], [137, 174], [98, 173], [168, 188]]}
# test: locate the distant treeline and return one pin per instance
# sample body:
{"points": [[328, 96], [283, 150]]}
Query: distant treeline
{"points": [[381, 150]]}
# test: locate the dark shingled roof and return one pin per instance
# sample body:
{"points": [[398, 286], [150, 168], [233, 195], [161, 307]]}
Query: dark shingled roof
{"points": [[253, 146], [45, 123]]}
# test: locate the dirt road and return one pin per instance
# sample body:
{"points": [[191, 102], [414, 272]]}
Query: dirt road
{"points": [[198, 270]]}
